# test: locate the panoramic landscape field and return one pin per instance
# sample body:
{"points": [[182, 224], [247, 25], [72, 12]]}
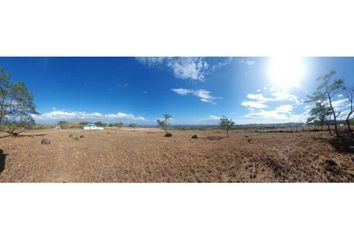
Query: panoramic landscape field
{"points": [[176, 119], [145, 155]]}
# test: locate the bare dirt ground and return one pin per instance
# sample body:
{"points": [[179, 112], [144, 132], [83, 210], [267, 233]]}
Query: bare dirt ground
{"points": [[145, 155]]}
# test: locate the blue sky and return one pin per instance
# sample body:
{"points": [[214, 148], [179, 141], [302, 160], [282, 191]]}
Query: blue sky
{"points": [[192, 90]]}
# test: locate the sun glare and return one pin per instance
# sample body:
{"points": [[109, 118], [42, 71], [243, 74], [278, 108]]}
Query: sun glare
{"points": [[286, 72]]}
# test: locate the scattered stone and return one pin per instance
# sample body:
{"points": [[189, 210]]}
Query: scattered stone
{"points": [[249, 140], [246, 136], [168, 135], [82, 136], [331, 166], [330, 162], [45, 141], [195, 136]]}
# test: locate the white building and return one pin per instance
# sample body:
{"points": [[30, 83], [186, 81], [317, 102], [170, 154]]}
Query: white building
{"points": [[90, 126]]}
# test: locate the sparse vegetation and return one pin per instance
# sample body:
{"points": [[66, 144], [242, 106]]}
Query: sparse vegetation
{"points": [[117, 124], [63, 124], [139, 155], [163, 124], [226, 124], [100, 124]]}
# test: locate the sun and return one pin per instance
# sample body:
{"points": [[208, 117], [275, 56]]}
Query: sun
{"points": [[286, 72]]}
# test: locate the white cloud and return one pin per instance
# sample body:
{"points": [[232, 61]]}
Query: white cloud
{"points": [[191, 68], [258, 100], [222, 64], [282, 113], [284, 103], [258, 97], [182, 91], [188, 68], [151, 61], [283, 95], [253, 104], [213, 117], [248, 62], [339, 104], [56, 115], [202, 94]]}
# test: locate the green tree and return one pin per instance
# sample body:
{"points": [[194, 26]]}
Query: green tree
{"points": [[83, 123], [163, 124], [16, 105], [62, 124], [326, 92], [226, 124], [320, 113], [100, 124]]}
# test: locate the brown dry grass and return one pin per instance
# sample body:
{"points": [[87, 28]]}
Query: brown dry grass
{"points": [[145, 155]]}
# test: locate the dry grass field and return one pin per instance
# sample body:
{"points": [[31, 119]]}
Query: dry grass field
{"points": [[145, 155]]}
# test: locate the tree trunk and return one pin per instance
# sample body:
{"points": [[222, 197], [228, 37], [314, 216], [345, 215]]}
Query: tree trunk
{"points": [[334, 114], [329, 128], [227, 132], [348, 124]]}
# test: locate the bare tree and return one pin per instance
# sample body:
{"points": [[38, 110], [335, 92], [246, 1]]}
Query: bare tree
{"points": [[348, 92]]}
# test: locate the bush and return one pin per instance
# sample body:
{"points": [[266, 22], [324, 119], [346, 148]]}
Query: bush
{"points": [[168, 135], [195, 136], [45, 141]]}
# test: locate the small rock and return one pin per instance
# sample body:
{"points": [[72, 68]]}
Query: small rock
{"points": [[45, 141], [70, 136], [249, 140], [330, 163], [331, 166], [82, 136], [195, 136], [168, 135]]}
